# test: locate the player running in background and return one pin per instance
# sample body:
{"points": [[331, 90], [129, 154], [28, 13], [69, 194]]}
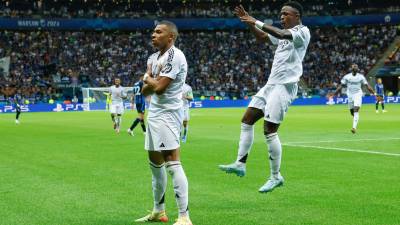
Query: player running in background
{"points": [[380, 95], [140, 102], [117, 105], [164, 79], [17, 105], [354, 82], [272, 101], [186, 97]]}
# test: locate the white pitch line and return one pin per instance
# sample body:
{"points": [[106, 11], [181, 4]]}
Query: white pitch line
{"points": [[344, 149], [347, 140]]}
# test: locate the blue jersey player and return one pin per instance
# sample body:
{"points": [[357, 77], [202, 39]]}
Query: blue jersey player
{"points": [[380, 95], [139, 100]]}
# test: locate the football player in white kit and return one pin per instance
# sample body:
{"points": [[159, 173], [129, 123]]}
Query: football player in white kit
{"points": [[117, 104], [273, 100], [164, 79], [354, 82], [186, 97]]}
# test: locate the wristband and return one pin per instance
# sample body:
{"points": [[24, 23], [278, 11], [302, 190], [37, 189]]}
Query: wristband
{"points": [[146, 75], [259, 24]]}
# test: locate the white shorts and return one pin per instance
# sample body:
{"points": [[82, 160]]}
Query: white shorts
{"points": [[117, 108], [163, 131], [274, 100], [355, 100], [186, 114]]}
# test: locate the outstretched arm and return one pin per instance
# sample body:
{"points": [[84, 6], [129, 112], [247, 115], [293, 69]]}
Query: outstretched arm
{"points": [[260, 35], [370, 89], [252, 22], [337, 91]]}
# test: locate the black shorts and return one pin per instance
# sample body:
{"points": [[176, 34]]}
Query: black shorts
{"points": [[141, 108]]}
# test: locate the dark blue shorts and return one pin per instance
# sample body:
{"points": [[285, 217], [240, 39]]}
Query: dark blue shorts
{"points": [[141, 108]]}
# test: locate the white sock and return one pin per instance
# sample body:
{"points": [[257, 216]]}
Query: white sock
{"points": [[245, 143], [275, 154], [159, 184], [355, 119], [180, 183]]}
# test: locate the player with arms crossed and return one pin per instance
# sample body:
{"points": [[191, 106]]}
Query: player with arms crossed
{"points": [[186, 97], [380, 95], [140, 103], [272, 101], [117, 104], [354, 81], [164, 79]]}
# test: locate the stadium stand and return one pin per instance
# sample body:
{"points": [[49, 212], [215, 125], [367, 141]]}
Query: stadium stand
{"points": [[226, 63]]}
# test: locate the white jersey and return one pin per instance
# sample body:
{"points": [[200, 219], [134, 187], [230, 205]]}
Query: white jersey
{"points": [[187, 92], [173, 65], [287, 66], [354, 83], [116, 94]]}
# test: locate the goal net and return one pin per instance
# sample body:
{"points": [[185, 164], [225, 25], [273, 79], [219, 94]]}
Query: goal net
{"points": [[96, 98]]}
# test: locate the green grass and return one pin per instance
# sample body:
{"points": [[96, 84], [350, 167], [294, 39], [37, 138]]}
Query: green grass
{"points": [[71, 168]]}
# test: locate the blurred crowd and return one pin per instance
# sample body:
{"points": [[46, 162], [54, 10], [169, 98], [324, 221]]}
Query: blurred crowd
{"points": [[333, 49], [184, 8], [229, 64]]}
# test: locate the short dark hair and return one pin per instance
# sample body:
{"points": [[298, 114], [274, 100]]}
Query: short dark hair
{"points": [[295, 5], [171, 26]]}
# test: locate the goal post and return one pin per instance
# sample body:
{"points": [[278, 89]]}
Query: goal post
{"points": [[98, 98]]}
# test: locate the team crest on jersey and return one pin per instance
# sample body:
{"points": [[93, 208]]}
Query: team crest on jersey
{"points": [[167, 68]]}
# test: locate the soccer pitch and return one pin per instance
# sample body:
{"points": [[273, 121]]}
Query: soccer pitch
{"points": [[71, 168]]}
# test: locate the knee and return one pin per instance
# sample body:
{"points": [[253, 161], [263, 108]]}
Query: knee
{"points": [[247, 120]]}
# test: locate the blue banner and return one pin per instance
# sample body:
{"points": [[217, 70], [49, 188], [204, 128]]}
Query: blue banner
{"points": [[193, 104], [183, 24]]}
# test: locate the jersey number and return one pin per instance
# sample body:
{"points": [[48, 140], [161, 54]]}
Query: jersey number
{"points": [[136, 90]]}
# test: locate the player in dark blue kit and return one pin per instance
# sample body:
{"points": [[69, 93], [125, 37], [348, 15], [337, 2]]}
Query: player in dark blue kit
{"points": [[17, 106], [139, 100], [380, 95]]}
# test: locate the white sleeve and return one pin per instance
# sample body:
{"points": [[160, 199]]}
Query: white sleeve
{"points": [[364, 81], [171, 67], [274, 40], [299, 35], [343, 81], [190, 92], [149, 60]]}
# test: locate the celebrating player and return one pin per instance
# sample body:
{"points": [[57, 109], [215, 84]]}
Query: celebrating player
{"points": [[140, 104], [187, 97], [354, 81], [164, 79], [272, 101], [117, 104]]}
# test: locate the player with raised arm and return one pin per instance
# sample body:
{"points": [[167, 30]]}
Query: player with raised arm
{"points": [[164, 79], [139, 100], [117, 104], [354, 82], [380, 95], [272, 101], [186, 97]]}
